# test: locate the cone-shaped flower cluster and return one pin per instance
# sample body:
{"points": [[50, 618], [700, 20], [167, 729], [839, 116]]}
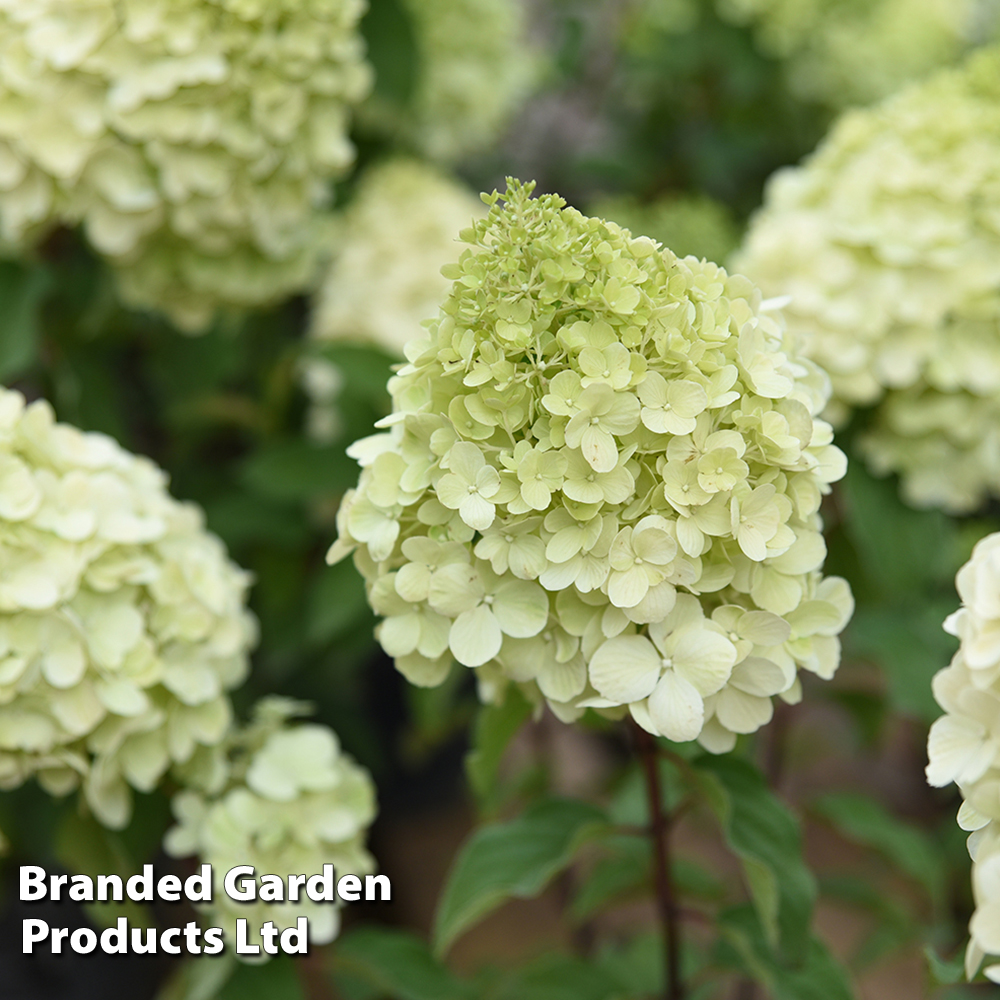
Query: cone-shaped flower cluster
{"points": [[475, 70], [192, 139], [844, 52], [122, 622], [601, 482], [888, 242], [292, 803], [964, 744]]}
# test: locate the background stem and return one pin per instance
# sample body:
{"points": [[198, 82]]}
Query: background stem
{"points": [[659, 826]]}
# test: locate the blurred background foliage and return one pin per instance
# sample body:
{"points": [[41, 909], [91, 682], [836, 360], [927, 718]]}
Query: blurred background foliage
{"points": [[668, 117]]}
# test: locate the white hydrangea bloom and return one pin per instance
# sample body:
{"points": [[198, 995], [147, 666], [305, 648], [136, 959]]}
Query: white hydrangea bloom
{"points": [[192, 139], [293, 803], [964, 744], [844, 52], [601, 482], [122, 621], [888, 242], [475, 69]]}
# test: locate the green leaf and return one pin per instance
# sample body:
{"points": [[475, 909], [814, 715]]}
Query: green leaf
{"points": [[627, 869], [767, 839], [818, 977], [559, 977], [902, 550], [495, 727], [335, 602], [21, 291], [945, 971], [910, 646], [84, 847], [200, 978], [894, 926], [296, 470], [397, 964], [868, 822], [512, 860], [276, 979], [392, 49]]}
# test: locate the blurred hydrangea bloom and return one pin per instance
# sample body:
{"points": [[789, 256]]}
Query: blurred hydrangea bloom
{"points": [[601, 483], [964, 744], [193, 140], [385, 279], [122, 622], [888, 242], [843, 52], [293, 802], [690, 224], [475, 70]]}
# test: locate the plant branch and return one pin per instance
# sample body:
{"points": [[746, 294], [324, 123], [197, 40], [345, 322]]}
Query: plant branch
{"points": [[660, 824]]}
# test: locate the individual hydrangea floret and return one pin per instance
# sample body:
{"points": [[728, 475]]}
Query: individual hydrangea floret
{"points": [[385, 279], [293, 802], [193, 139], [964, 744], [600, 482], [474, 69], [122, 622], [845, 52], [888, 243]]}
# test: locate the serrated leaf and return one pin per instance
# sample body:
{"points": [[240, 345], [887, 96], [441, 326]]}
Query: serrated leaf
{"points": [[512, 860], [767, 839], [495, 727], [868, 822], [397, 964]]}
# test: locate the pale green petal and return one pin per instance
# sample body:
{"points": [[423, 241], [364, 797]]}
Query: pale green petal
{"points": [[676, 708], [521, 608], [598, 448], [763, 628], [625, 669], [703, 658], [475, 637], [742, 713], [477, 512]]}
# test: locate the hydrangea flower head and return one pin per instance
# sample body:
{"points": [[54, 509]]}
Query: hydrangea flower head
{"points": [[846, 52], [475, 70], [192, 139], [964, 744], [888, 244], [122, 622], [600, 482], [292, 803]]}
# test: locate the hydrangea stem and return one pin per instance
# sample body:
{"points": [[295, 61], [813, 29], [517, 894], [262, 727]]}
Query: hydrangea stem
{"points": [[659, 828]]}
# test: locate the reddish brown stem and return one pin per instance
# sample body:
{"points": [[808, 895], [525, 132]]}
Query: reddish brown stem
{"points": [[666, 902]]}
